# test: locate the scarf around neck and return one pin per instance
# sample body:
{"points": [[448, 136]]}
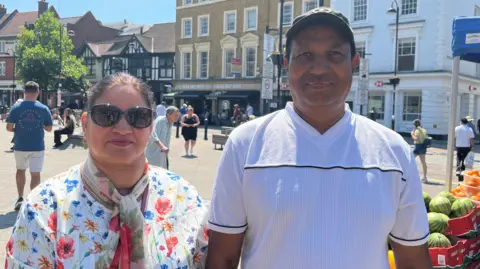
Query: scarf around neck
{"points": [[125, 240]]}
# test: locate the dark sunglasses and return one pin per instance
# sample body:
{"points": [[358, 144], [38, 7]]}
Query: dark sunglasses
{"points": [[107, 115]]}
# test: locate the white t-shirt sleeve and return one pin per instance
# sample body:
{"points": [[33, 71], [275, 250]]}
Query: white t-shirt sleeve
{"points": [[470, 133], [227, 213], [411, 223]]}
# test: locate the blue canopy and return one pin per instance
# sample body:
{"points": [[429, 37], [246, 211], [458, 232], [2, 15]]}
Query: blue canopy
{"points": [[466, 38]]}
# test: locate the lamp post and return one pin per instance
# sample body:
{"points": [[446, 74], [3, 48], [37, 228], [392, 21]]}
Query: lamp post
{"points": [[14, 86], [395, 9]]}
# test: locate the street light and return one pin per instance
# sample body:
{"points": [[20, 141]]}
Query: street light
{"points": [[394, 9], [14, 86]]}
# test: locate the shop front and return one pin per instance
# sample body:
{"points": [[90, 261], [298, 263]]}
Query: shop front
{"points": [[9, 97], [222, 103]]}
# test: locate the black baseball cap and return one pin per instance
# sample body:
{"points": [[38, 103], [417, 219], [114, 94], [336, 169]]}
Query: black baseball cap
{"points": [[321, 16]]}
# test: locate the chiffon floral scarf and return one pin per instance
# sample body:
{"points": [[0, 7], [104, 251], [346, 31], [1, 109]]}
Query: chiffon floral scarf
{"points": [[126, 239]]}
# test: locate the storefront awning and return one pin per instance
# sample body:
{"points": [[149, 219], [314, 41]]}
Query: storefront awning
{"points": [[238, 94], [170, 95], [190, 94]]}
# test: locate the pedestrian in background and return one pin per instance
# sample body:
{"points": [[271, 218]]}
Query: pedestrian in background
{"points": [[419, 136], [464, 143], [158, 146], [190, 123], [113, 210], [29, 120], [68, 129], [160, 110]]}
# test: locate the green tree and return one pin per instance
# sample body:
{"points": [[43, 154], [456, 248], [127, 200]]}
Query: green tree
{"points": [[38, 56]]}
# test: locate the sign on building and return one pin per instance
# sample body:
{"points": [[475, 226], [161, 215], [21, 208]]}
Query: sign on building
{"points": [[362, 96], [236, 66], [268, 67]]}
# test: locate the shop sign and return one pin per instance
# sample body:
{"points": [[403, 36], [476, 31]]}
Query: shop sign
{"points": [[236, 66], [267, 88]]}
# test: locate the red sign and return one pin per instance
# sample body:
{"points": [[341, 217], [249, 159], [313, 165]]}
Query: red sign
{"points": [[470, 88], [379, 84]]}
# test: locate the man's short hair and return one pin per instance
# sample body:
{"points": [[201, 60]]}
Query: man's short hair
{"points": [[171, 109], [464, 121], [31, 86]]}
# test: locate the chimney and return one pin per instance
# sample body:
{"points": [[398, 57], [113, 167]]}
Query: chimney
{"points": [[42, 7], [3, 10]]}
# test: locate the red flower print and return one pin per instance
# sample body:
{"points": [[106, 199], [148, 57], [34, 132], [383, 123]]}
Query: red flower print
{"points": [[205, 233], [52, 222], [197, 257], [90, 225], [60, 265], [171, 243], [10, 247], [65, 247], [163, 206], [148, 229], [44, 263]]}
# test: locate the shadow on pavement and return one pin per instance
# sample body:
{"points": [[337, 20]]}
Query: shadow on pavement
{"points": [[8, 220], [434, 183], [189, 157], [72, 143]]}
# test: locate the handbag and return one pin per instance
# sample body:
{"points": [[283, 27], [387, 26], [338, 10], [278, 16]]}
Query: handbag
{"points": [[469, 160], [428, 142]]}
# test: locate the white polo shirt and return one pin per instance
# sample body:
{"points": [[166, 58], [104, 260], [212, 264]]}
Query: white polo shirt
{"points": [[463, 134], [307, 200]]}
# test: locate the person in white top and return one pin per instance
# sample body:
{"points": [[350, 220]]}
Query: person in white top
{"points": [[161, 110], [315, 185], [249, 110], [464, 143]]}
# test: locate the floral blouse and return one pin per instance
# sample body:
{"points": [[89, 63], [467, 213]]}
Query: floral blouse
{"points": [[61, 226]]}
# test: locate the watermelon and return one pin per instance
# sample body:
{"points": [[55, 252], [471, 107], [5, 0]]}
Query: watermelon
{"points": [[447, 195], [462, 207], [440, 204], [437, 222], [426, 199], [438, 240]]}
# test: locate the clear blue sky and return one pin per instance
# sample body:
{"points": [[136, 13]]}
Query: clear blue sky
{"points": [[137, 11]]}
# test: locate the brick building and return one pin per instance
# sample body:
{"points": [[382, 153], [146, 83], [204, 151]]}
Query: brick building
{"points": [[219, 51]]}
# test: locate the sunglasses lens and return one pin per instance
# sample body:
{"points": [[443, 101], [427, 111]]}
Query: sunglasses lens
{"points": [[105, 116], [139, 117]]}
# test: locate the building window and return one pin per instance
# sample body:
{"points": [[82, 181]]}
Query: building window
{"points": [[2, 46], [229, 54], [140, 67], [203, 25], [360, 46], [412, 106], [187, 2], [376, 102], [359, 10], [287, 13], [311, 4], [91, 65], [187, 65], [166, 67], [230, 22], [409, 7], [2, 68], [406, 54], [251, 19], [250, 62], [187, 28], [203, 64]]}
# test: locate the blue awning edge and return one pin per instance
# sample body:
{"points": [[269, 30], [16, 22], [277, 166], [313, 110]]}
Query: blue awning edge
{"points": [[466, 38]]}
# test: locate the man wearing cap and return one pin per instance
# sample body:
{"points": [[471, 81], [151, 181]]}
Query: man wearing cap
{"points": [[315, 185]]}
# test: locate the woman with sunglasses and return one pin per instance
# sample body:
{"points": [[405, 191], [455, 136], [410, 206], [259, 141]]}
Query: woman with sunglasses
{"points": [[113, 210], [190, 122]]}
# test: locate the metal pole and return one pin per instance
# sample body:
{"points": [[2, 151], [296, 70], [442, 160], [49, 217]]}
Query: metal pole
{"points": [[205, 137], [177, 135], [14, 86], [397, 19], [451, 123], [280, 60]]}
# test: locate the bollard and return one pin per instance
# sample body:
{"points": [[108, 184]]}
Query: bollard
{"points": [[206, 130], [178, 130]]}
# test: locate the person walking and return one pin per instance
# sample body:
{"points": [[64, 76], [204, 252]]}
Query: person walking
{"points": [[190, 122], [67, 130], [315, 185], [161, 109], [28, 121], [113, 210], [464, 143], [158, 146], [419, 136]]}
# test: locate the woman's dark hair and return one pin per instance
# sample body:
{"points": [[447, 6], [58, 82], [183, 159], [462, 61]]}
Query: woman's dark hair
{"points": [[123, 79], [417, 123]]}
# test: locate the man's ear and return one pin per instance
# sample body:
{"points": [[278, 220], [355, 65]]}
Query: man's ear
{"points": [[355, 61]]}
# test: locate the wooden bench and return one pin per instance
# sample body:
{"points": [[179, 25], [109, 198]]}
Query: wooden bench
{"points": [[75, 136], [219, 140], [226, 130]]}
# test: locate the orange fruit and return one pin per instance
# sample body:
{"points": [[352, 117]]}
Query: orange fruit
{"points": [[475, 198], [461, 194]]}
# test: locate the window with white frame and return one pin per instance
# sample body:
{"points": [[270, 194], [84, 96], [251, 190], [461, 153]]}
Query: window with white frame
{"points": [[359, 10], [187, 27], [412, 106], [203, 64], [406, 54], [409, 7], [311, 4], [250, 60], [376, 102], [203, 25], [251, 19], [360, 47], [187, 2], [229, 54], [2, 46], [230, 21], [186, 65], [287, 13], [2, 68]]}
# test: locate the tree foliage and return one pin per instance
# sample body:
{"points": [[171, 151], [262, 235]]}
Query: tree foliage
{"points": [[38, 56]]}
